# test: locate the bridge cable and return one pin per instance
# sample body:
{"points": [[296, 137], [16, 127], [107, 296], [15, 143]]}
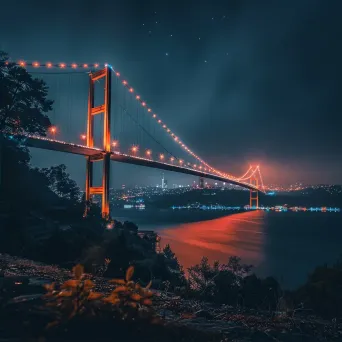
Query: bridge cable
{"points": [[143, 128]]}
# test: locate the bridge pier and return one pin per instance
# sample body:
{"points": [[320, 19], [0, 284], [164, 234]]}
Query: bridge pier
{"points": [[106, 110], [254, 194]]}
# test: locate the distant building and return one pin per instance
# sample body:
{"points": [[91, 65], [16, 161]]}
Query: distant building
{"points": [[164, 182]]}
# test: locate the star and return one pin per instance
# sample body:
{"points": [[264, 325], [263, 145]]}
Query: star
{"points": [[205, 61], [171, 35], [166, 54], [199, 38]]}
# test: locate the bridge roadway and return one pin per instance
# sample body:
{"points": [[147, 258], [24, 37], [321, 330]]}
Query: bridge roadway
{"points": [[60, 146]]}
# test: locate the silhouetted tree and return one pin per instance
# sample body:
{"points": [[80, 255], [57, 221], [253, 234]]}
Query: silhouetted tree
{"points": [[61, 183], [23, 108], [218, 282], [23, 100]]}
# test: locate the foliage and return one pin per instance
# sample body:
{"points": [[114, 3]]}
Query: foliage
{"points": [[219, 282], [322, 292], [173, 270], [23, 100], [74, 297], [129, 297], [60, 182]]}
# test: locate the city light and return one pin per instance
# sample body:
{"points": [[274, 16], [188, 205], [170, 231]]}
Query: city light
{"points": [[115, 143], [83, 137]]}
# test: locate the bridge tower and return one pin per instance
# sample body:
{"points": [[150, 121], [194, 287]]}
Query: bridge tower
{"points": [[254, 194], [105, 156]]}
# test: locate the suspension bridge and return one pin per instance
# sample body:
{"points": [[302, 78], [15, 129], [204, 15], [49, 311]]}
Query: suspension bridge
{"points": [[135, 142]]}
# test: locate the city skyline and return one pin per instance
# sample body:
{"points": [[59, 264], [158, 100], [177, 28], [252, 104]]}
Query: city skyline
{"points": [[237, 91]]}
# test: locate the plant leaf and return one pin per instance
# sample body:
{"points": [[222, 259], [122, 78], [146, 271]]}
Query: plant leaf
{"points": [[146, 302], [94, 295], [120, 289], [129, 273], [70, 283], [136, 297], [148, 285], [148, 294], [88, 284], [118, 281]]}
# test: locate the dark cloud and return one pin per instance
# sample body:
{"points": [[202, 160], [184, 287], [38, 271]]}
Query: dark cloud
{"points": [[268, 93]]}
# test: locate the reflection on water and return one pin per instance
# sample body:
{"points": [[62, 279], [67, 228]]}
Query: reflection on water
{"points": [[239, 234], [285, 245]]}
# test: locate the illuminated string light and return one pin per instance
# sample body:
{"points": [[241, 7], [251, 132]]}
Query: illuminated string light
{"points": [[245, 184], [135, 149], [49, 65], [143, 103]]}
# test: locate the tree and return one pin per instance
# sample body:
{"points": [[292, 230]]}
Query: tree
{"points": [[23, 100], [220, 282], [175, 268], [23, 108], [61, 183]]}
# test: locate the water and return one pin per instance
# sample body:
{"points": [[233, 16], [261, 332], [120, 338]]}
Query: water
{"points": [[285, 245]]}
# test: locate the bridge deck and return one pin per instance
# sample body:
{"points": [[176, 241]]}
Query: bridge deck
{"points": [[55, 145]]}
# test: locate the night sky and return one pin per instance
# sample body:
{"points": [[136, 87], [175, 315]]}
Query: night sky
{"points": [[239, 81]]}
